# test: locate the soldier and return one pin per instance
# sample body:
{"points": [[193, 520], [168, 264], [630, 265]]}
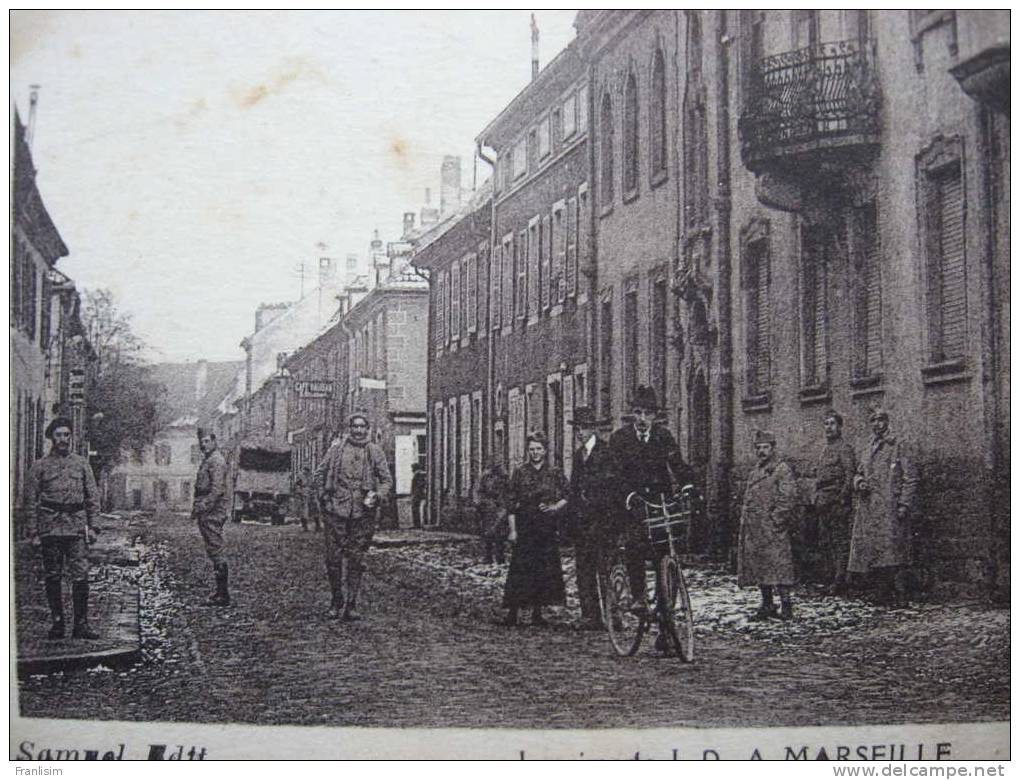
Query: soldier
{"points": [[834, 475], [419, 494], [61, 503], [886, 488], [646, 461], [210, 511], [591, 485], [304, 492], [352, 482], [764, 552]]}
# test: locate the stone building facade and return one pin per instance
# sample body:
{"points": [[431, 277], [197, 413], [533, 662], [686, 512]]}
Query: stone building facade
{"points": [[455, 256], [540, 296], [845, 214]]}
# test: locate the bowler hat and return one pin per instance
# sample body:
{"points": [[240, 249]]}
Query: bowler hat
{"points": [[765, 437], [58, 422], [645, 398], [584, 417]]}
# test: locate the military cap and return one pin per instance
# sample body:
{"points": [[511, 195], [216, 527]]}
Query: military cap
{"points": [[765, 437], [877, 412]]}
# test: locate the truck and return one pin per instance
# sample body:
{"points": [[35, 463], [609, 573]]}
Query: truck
{"points": [[262, 481]]}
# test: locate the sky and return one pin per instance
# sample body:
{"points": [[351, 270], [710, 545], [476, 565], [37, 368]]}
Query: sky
{"points": [[192, 160]]}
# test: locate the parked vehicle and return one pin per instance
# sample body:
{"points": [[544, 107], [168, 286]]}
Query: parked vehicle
{"points": [[262, 484]]}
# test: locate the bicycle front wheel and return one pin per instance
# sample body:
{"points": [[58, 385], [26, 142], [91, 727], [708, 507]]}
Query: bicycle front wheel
{"points": [[675, 610], [625, 623]]}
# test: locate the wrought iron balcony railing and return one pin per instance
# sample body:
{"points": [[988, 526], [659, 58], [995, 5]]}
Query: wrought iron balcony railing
{"points": [[821, 96]]}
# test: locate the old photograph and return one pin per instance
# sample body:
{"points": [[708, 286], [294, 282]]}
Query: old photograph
{"points": [[565, 372]]}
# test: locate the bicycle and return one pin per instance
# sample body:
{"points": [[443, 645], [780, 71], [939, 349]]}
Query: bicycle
{"points": [[625, 615]]}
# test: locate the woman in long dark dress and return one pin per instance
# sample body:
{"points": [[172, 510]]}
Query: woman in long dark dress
{"points": [[537, 493]]}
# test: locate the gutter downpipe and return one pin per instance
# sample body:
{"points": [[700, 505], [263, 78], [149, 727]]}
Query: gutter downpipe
{"points": [[490, 375], [724, 205]]}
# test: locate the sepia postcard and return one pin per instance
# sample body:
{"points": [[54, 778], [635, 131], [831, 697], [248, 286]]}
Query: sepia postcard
{"points": [[510, 385]]}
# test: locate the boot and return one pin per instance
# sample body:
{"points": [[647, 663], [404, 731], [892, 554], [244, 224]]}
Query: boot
{"points": [[510, 620], [80, 597], [901, 590], [351, 613], [336, 606], [222, 596], [767, 610], [536, 617], [55, 598], [786, 609]]}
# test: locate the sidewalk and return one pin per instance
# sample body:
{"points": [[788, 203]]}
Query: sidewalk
{"points": [[113, 607]]}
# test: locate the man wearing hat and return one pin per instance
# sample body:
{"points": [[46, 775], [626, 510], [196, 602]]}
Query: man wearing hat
{"points": [[646, 461], [352, 481], [834, 475], [61, 504], [591, 491], [210, 509], [764, 551], [886, 489]]}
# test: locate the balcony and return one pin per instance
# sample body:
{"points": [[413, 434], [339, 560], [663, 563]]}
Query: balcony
{"points": [[815, 106]]}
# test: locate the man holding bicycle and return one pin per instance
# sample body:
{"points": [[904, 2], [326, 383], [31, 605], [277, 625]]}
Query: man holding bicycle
{"points": [[646, 461]]}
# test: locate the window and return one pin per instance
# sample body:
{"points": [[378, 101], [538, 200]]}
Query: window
{"points": [[942, 205], [630, 342], [866, 294], [508, 281], [533, 264], [606, 357], [453, 445], [606, 160], [582, 109], [570, 116], [472, 292], [196, 454], [532, 411], [185, 490], [455, 279], [515, 423], [162, 454], [522, 274], [465, 445], [520, 157], [507, 163], [630, 137], [546, 235], [476, 436], [571, 249], [544, 146], [559, 251], [659, 324], [657, 117], [45, 314], [482, 276], [758, 312], [816, 244]]}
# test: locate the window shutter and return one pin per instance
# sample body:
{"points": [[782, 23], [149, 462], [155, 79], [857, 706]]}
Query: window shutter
{"points": [[547, 237], [522, 274], [759, 319], [472, 293], [952, 294], [533, 277], [559, 286], [583, 230], [455, 301], [568, 429], [440, 308], [571, 262], [508, 282], [496, 281]]}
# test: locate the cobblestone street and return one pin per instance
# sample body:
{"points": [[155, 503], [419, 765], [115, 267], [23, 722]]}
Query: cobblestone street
{"points": [[428, 654]]}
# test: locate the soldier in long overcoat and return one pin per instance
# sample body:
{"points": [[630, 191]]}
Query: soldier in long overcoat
{"points": [[834, 475], [886, 491], [765, 552], [210, 510]]}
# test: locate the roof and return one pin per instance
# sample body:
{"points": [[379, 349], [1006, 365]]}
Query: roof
{"points": [[27, 207], [185, 398]]}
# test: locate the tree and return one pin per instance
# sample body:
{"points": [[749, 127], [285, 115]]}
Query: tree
{"points": [[125, 402]]}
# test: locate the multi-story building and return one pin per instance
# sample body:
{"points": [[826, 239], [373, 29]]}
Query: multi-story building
{"points": [[455, 255], [52, 363], [540, 299], [387, 337], [844, 243]]}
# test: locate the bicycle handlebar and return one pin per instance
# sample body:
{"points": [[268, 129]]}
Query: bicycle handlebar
{"points": [[632, 498]]}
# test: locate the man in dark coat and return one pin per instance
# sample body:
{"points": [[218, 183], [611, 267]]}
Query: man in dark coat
{"points": [[591, 496], [61, 503], [646, 461], [419, 494], [834, 475]]}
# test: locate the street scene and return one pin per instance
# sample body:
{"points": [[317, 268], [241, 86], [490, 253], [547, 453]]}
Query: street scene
{"points": [[554, 370]]}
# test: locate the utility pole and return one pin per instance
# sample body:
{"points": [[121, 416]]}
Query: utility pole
{"points": [[299, 269], [33, 99]]}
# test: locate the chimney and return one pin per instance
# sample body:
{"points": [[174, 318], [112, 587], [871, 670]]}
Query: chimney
{"points": [[534, 48], [408, 224], [33, 99], [327, 271], [449, 189], [429, 215], [376, 244]]}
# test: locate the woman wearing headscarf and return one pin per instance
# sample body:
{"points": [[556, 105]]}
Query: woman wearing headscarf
{"points": [[536, 495]]}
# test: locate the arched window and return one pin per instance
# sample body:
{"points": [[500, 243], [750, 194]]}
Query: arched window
{"points": [[630, 137], [657, 115], [606, 122]]}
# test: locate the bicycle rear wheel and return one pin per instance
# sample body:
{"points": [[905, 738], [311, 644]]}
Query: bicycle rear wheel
{"points": [[625, 625], [675, 610]]}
